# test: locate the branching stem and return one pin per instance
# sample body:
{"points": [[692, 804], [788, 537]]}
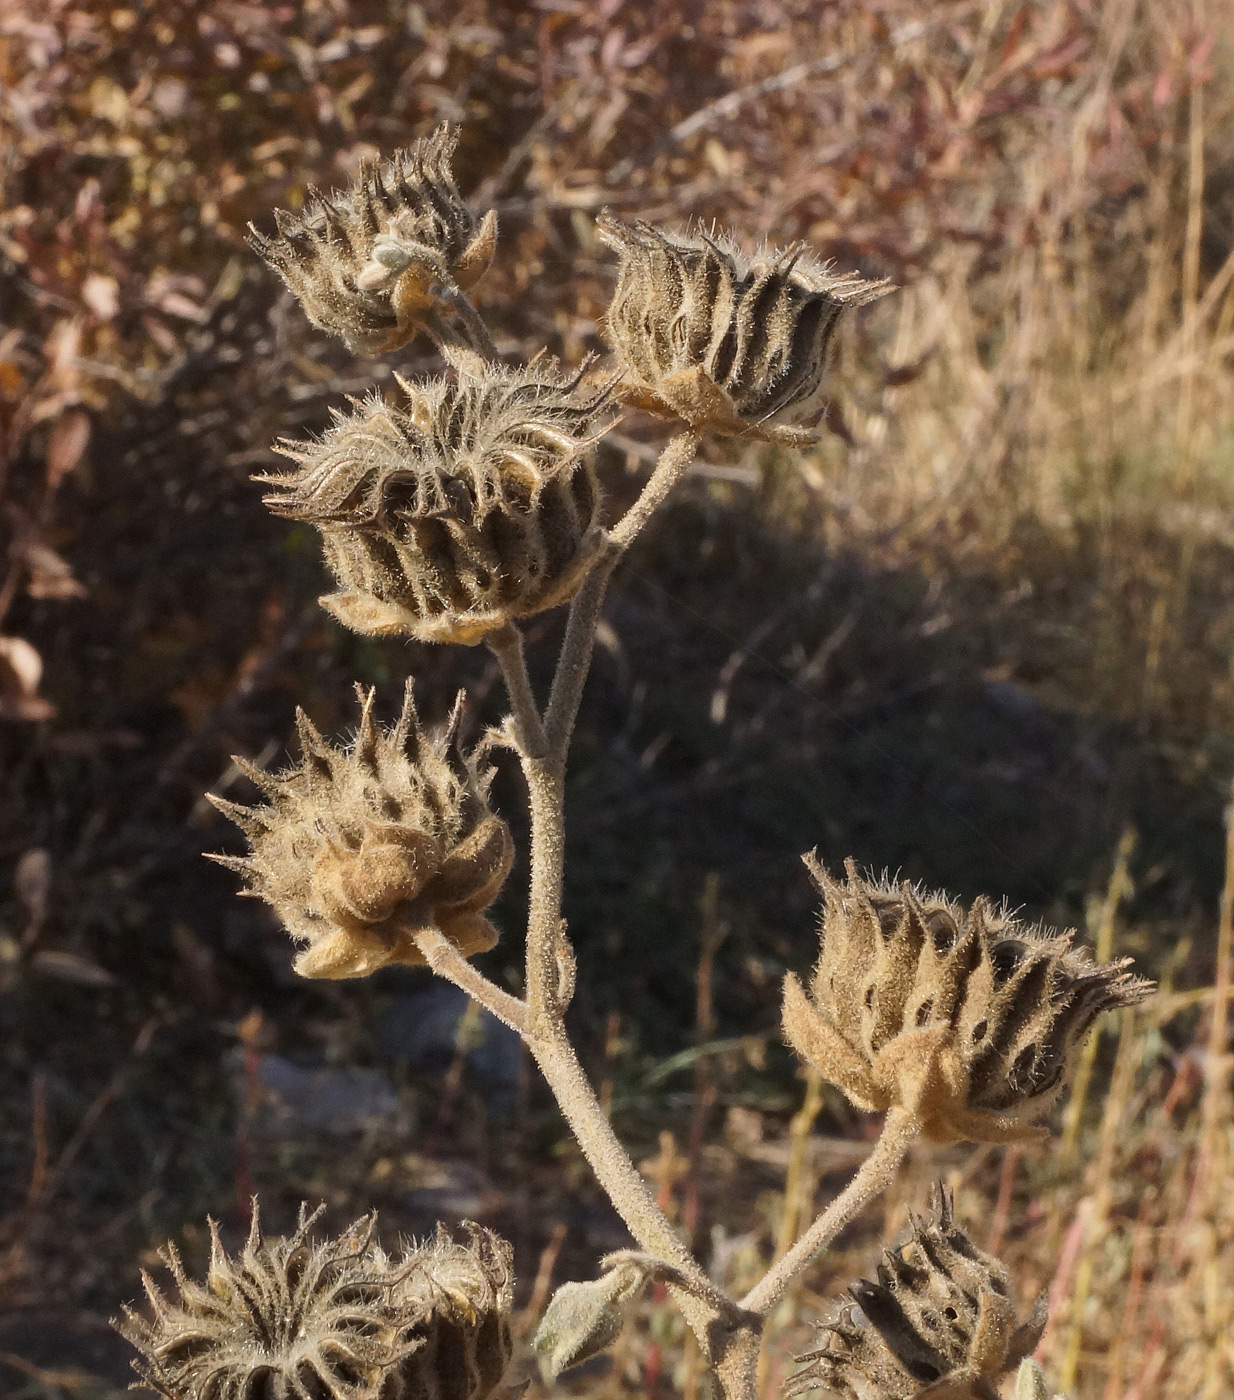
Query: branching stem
{"points": [[507, 646], [728, 1333]]}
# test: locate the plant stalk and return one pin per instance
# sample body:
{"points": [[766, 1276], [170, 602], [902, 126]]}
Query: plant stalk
{"points": [[728, 1335], [872, 1179], [446, 961]]}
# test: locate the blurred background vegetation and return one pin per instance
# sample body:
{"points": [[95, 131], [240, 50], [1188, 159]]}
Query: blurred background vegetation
{"points": [[982, 636]]}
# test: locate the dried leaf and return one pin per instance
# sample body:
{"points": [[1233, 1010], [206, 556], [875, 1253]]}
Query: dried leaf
{"points": [[66, 445], [21, 670], [32, 882], [69, 967], [50, 576], [101, 295]]}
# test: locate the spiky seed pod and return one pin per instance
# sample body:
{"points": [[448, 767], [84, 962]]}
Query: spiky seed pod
{"points": [[360, 848], [292, 1320], [374, 264], [476, 504], [939, 1324], [464, 1293], [967, 1019], [725, 340], [286, 1318]]}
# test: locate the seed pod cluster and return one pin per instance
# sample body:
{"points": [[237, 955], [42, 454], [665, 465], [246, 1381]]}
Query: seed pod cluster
{"points": [[378, 262], [476, 504], [289, 1319], [359, 848], [939, 1323], [727, 341], [966, 1018]]}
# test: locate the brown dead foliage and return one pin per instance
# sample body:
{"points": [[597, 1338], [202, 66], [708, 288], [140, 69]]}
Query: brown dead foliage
{"points": [[978, 633]]}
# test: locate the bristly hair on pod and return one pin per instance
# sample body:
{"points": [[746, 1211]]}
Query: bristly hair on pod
{"points": [[465, 1293], [292, 1320], [287, 1318], [939, 1323], [475, 504], [381, 261], [966, 1019], [725, 340], [357, 849]]}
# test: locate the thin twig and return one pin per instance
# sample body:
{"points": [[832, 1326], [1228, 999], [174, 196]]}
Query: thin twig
{"points": [[575, 658], [446, 961], [722, 108], [671, 467], [574, 661], [873, 1177], [507, 646]]}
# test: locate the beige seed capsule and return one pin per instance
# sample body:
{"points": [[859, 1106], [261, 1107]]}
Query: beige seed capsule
{"points": [[289, 1319], [463, 1295], [728, 341], [967, 1019], [383, 260], [475, 504], [358, 849], [938, 1324]]}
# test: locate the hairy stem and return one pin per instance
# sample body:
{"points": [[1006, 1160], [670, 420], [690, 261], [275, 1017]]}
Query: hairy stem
{"points": [[546, 796], [446, 961], [575, 658], [574, 661], [506, 645], [477, 333], [458, 330], [622, 1182], [727, 1334], [872, 1179], [669, 469]]}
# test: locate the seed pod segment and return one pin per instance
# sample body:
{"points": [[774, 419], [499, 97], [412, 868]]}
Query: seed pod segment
{"points": [[939, 1323], [476, 504], [966, 1018], [359, 848], [728, 341], [463, 1294], [377, 263], [339, 1320]]}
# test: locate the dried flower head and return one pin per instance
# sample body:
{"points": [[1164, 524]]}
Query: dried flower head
{"points": [[938, 1325], [475, 505], [967, 1019], [360, 848], [464, 1293], [725, 340], [377, 263], [293, 1320]]}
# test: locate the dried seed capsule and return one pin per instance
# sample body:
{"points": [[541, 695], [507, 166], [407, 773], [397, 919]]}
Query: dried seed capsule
{"points": [[290, 1319], [463, 1294], [376, 263], [360, 848], [725, 340], [475, 505], [967, 1019], [939, 1324]]}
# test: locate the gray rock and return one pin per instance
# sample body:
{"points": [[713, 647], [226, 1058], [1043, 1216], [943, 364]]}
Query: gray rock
{"points": [[425, 1029], [287, 1099]]}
